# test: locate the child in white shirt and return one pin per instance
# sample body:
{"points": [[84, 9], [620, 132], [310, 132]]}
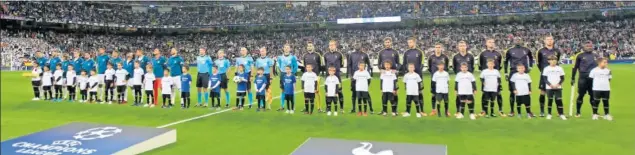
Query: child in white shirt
{"points": [[166, 89], [465, 86], [491, 87], [441, 86], [389, 89], [601, 76], [332, 85], [93, 83], [362, 79], [309, 85], [58, 81], [553, 76], [148, 86], [413, 88], [36, 81], [71, 82], [521, 84], [83, 86], [47, 82]]}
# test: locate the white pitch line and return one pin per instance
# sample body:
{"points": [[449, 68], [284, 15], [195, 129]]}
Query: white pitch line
{"points": [[214, 113], [300, 145]]}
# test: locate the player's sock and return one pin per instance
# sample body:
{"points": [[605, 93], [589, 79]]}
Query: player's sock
{"points": [[366, 104], [282, 101], [369, 101], [226, 97], [484, 106], [549, 105], [353, 101], [312, 106], [384, 106], [359, 107], [418, 107], [328, 106], [198, 97], [250, 96], [445, 106], [528, 109], [518, 109], [595, 105], [341, 99], [541, 100], [471, 107], [292, 102], [394, 108], [306, 105], [559, 106], [500, 105], [512, 99], [578, 104], [457, 104], [237, 101], [206, 96], [461, 108], [605, 104]]}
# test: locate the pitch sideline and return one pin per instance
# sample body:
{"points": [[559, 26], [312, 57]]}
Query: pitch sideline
{"points": [[217, 112]]}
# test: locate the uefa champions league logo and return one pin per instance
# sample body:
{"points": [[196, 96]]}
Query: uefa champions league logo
{"points": [[97, 133], [365, 150]]}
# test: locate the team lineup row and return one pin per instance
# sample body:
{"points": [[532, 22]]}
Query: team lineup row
{"points": [[518, 56]]}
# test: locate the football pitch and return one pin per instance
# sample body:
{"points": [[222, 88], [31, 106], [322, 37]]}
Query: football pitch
{"points": [[276, 133]]}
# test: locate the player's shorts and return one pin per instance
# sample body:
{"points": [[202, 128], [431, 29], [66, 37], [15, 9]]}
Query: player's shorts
{"points": [[223, 81], [554, 93], [598, 95], [309, 95], [490, 96], [36, 83], [202, 80], [177, 81], [241, 94], [331, 99], [101, 78], [289, 97], [441, 97], [214, 94], [466, 97], [523, 100], [388, 96], [585, 85], [268, 81], [121, 88], [362, 95]]}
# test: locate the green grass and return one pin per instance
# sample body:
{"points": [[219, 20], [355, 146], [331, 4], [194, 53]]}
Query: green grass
{"points": [[249, 132]]}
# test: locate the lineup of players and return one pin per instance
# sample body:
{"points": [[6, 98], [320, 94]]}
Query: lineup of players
{"points": [[98, 78]]}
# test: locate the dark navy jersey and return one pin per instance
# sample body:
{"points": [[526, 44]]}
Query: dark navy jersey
{"points": [[414, 56], [543, 54], [584, 63], [389, 54], [518, 55], [489, 54], [434, 60], [459, 58], [353, 61], [314, 59], [335, 59]]}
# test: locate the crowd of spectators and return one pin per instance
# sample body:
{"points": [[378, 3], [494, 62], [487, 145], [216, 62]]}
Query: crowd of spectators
{"points": [[217, 13], [615, 37]]}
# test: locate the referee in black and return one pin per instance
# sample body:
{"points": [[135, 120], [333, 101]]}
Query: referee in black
{"points": [[514, 56], [584, 63], [336, 59], [541, 58]]}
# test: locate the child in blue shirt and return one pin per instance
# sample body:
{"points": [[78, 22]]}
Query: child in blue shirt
{"points": [[241, 88], [186, 82], [289, 86], [261, 86], [214, 87]]}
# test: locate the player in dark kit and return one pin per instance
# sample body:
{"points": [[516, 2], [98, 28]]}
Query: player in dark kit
{"points": [[435, 59], [315, 60], [388, 53], [514, 56], [491, 53], [542, 59], [355, 58], [335, 59], [415, 56], [462, 57], [585, 61]]}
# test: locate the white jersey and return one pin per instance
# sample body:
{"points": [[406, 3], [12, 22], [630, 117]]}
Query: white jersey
{"points": [[361, 80], [71, 78], [137, 77], [120, 76], [553, 75], [388, 79], [464, 81], [309, 79], [83, 82], [331, 83], [412, 83], [442, 79], [601, 79], [521, 83], [166, 86], [109, 74], [93, 81], [490, 78], [148, 81], [35, 73], [58, 77], [47, 78]]}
